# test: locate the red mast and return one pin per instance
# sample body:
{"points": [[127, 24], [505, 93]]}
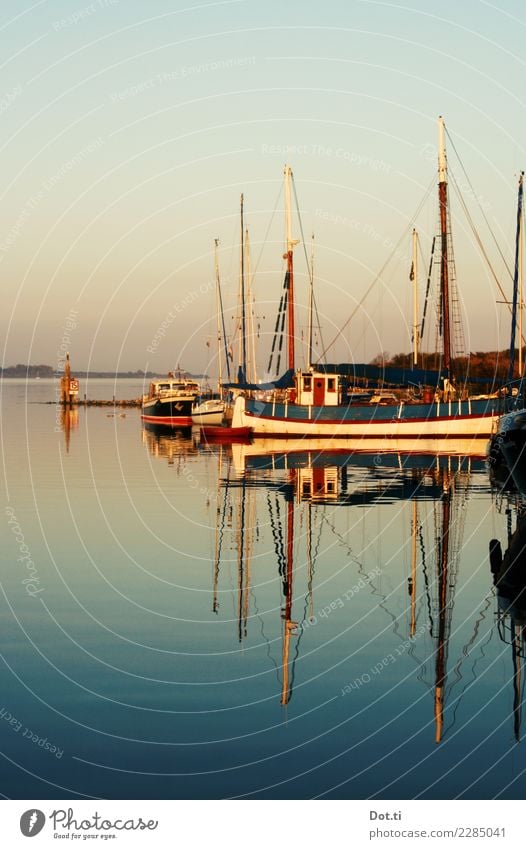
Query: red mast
{"points": [[444, 269], [290, 244]]}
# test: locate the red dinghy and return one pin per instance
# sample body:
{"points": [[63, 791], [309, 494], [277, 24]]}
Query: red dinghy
{"points": [[225, 434]]}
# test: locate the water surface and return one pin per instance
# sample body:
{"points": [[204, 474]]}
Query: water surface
{"points": [[198, 622]]}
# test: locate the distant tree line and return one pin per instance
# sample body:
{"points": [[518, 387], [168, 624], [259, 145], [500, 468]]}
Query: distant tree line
{"points": [[23, 370], [491, 364]]}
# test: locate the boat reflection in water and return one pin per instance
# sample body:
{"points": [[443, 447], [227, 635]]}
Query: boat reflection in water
{"points": [[509, 578], [303, 481], [173, 444]]}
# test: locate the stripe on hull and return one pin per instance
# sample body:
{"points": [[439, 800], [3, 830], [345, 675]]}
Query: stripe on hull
{"points": [[177, 421]]}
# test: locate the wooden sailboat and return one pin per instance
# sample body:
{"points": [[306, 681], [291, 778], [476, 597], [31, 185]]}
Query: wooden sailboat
{"points": [[322, 402]]}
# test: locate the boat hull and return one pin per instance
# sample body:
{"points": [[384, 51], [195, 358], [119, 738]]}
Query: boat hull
{"points": [[225, 434], [208, 413], [403, 421], [170, 413]]}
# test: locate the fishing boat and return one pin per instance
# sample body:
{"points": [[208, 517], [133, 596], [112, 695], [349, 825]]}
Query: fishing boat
{"points": [[169, 401], [412, 403]]}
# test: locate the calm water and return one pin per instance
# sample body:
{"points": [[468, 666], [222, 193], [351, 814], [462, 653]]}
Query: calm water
{"points": [[300, 628]]}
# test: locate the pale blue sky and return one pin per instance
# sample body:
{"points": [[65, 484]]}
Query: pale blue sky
{"points": [[130, 129]]}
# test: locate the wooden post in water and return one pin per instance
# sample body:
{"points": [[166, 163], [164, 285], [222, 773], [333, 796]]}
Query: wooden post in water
{"points": [[69, 386]]}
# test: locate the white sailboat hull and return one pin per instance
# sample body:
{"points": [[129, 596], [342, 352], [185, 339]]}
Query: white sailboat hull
{"points": [[458, 419], [208, 413]]}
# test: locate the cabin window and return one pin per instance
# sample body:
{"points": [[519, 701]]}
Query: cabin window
{"points": [[306, 488], [331, 384], [330, 486], [164, 386], [307, 384]]}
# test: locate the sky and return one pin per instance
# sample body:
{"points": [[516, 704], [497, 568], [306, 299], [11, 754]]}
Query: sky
{"points": [[130, 129]]}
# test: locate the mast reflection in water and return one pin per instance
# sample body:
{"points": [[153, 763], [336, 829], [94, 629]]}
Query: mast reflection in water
{"points": [[297, 482]]}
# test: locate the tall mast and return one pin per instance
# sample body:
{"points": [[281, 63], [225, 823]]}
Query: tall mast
{"points": [[243, 308], [414, 278], [218, 316], [521, 245], [444, 269], [311, 304], [251, 362], [290, 244], [517, 284]]}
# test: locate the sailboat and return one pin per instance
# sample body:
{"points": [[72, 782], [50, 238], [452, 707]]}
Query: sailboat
{"points": [[322, 400]]}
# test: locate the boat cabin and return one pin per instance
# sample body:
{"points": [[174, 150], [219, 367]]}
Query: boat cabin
{"points": [[317, 389], [169, 387]]}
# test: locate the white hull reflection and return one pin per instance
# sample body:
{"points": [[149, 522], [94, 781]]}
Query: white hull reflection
{"points": [[305, 451]]}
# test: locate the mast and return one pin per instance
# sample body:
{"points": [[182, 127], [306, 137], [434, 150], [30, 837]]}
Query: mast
{"points": [[311, 305], [221, 313], [443, 610], [412, 580], [243, 307], [218, 318], [414, 277], [521, 245], [288, 625], [517, 680], [444, 269], [215, 581], [251, 375], [517, 284], [290, 244]]}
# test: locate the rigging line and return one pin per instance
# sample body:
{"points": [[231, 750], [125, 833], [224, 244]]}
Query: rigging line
{"points": [[477, 199], [465, 654], [379, 274], [278, 334], [311, 280], [275, 337], [314, 301], [282, 330], [341, 539], [225, 340], [428, 285], [426, 580], [268, 228], [266, 639], [483, 251]]}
